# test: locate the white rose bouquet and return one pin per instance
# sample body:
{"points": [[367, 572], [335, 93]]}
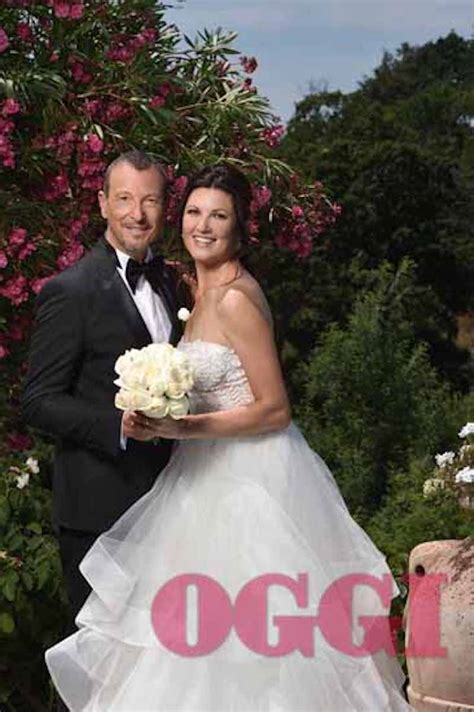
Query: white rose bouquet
{"points": [[154, 380]]}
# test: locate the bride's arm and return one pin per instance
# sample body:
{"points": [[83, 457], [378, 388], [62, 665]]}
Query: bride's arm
{"points": [[250, 335]]}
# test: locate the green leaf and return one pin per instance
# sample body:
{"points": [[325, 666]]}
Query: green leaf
{"points": [[7, 624], [4, 511], [9, 584], [27, 580], [35, 527]]}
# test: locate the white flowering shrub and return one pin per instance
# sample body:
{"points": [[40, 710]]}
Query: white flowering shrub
{"points": [[455, 469]]}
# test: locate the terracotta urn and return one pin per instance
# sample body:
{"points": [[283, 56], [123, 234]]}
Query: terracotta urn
{"points": [[439, 626]]}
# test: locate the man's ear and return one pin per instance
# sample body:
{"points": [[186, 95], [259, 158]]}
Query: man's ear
{"points": [[102, 198]]}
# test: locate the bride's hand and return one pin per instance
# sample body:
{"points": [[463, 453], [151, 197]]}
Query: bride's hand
{"points": [[167, 427]]}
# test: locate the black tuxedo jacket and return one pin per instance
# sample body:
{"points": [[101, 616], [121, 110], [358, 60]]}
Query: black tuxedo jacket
{"points": [[85, 319]]}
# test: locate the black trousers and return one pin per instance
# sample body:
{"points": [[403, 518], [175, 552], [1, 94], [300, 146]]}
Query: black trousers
{"points": [[73, 545]]}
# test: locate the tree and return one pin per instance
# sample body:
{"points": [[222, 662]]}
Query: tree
{"points": [[372, 402], [399, 151]]}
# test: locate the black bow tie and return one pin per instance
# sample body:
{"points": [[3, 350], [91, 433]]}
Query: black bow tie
{"points": [[150, 270]]}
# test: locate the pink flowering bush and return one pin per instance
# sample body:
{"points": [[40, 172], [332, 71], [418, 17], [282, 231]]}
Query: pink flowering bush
{"points": [[80, 82]]}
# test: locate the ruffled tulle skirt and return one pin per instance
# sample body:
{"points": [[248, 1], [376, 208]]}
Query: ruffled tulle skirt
{"points": [[230, 511]]}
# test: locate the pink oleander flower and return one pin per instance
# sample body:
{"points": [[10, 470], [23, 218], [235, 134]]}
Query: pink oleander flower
{"points": [[73, 10], [176, 192], [38, 283], [54, 57], [157, 101], [76, 228], [222, 68], [165, 89], [304, 248], [91, 167], [61, 10], [76, 11], [6, 127], [4, 41], [23, 31], [94, 143], [4, 352], [248, 84], [19, 441], [92, 107], [149, 35], [10, 107], [297, 211], [27, 250], [56, 187], [272, 135], [15, 290], [7, 155], [249, 64], [17, 237], [253, 230], [70, 256], [116, 111], [78, 70], [261, 197], [93, 183], [3, 260]]}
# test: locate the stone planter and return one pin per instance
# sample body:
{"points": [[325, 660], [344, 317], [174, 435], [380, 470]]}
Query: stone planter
{"points": [[440, 615]]}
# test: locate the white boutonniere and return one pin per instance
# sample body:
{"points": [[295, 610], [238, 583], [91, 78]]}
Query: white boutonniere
{"points": [[183, 314]]}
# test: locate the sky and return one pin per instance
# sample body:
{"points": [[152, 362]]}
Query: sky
{"points": [[333, 43]]}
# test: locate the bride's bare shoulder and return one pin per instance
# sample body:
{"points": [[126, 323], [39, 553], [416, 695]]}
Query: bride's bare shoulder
{"points": [[244, 295]]}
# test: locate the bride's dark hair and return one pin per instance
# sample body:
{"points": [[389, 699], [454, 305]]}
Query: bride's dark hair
{"points": [[231, 180]]}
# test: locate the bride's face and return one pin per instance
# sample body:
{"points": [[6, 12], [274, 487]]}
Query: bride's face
{"points": [[210, 226]]}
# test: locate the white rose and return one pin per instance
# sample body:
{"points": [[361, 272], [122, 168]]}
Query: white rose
{"points": [[32, 465], [446, 458], [465, 475], [183, 314], [181, 369], [146, 374], [468, 429], [175, 390], [161, 354], [432, 485], [178, 407], [132, 400], [125, 361], [158, 408], [22, 480]]}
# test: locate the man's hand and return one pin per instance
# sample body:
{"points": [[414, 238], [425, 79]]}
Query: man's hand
{"points": [[137, 427]]}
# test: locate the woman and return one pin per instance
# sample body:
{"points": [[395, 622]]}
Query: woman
{"points": [[242, 499]]}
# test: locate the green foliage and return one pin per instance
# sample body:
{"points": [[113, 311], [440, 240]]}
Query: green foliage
{"points": [[408, 518], [399, 152], [372, 401], [32, 600]]}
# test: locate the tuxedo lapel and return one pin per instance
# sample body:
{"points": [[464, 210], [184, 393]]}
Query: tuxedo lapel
{"points": [[115, 291]]}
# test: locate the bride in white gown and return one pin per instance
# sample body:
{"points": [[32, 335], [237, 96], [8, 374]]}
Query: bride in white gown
{"points": [[242, 497]]}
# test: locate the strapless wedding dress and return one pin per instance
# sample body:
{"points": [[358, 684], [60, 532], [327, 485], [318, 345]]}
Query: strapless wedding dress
{"points": [[232, 510]]}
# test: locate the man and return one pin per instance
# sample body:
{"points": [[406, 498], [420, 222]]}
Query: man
{"points": [[116, 298]]}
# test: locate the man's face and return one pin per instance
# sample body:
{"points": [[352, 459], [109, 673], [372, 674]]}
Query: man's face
{"points": [[134, 208]]}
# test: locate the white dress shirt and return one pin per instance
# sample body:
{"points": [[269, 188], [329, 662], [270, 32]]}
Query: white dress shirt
{"points": [[148, 302], [150, 306]]}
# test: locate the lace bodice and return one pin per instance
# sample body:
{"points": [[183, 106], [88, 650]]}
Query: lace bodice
{"points": [[220, 382]]}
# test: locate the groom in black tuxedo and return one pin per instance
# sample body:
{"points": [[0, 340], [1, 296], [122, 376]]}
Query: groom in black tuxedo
{"points": [[115, 298]]}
